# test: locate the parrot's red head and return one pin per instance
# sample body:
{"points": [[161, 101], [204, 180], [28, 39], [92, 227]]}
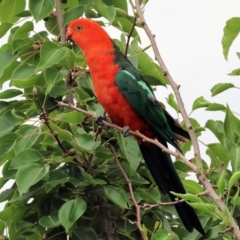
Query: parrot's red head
{"points": [[87, 34]]}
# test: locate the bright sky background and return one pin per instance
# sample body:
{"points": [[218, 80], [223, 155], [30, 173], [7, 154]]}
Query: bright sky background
{"points": [[188, 34]]}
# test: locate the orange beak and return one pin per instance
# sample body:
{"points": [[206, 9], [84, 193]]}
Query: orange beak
{"points": [[68, 34]]}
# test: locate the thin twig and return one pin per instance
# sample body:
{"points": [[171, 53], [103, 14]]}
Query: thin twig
{"points": [[225, 231], [201, 177], [151, 206], [137, 207], [46, 122], [129, 36], [135, 133]]}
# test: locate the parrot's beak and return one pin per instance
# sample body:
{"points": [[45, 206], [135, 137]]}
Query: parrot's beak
{"points": [[69, 35]]}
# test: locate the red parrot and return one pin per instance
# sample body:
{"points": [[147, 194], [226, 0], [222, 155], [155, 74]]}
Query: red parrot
{"points": [[129, 101]]}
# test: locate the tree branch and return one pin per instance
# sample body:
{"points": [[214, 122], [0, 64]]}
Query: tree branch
{"points": [[46, 122], [174, 86], [201, 177], [106, 222], [137, 207], [129, 36], [135, 133], [60, 21]]}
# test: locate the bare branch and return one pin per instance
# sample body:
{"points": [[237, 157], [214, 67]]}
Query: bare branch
{"points": [[59, 16], [137, 207], [201, 177], [174, 86]]}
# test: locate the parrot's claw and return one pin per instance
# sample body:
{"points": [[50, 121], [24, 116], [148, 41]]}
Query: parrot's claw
{"points": [[125, 131], [99, 120]]}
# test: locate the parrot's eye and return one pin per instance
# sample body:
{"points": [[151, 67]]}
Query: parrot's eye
{"points": [[79, 27]]}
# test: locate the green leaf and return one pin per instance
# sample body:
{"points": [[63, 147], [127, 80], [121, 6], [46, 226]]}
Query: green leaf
{"points": [[85, 2], [201, 206], [221, 183], [215, 107], [221, 87], [188, 197], [234, 178], [236, 197], [52, 25], [56, 177], [25, 28], [231, 125], [192, 186], [53, 75], [151, 194], [234, 154], [86, 142], [150, 70], [109, 12], [7, 143], [116, 195], [4, 27], [50, 54], [28, 175], [26, 157], [200, 103], [8, 122], [9, 10], [130, 150], [230, 32], [84, 233], [235, 72], [29, 136], [24, 71], [10, 93], [217, 128], [6, 59], [70, 212], [12, 213], [50, 221], [41, 8], [218, 154], [125, 225], [73, 13], [71, 117], [124, 25], [172, 102], [162, 234]]}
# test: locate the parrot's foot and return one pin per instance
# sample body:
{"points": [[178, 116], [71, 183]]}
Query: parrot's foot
{"points": [[125, 131], [99, 120]]}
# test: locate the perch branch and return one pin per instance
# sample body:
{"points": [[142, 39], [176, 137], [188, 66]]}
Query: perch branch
{"points": [[135, 133]]}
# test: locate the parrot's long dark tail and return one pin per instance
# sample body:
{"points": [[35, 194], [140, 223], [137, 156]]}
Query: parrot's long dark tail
{"points": [[167, 179]]}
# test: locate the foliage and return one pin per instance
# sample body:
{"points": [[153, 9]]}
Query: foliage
{"points": [[64, 180]]}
